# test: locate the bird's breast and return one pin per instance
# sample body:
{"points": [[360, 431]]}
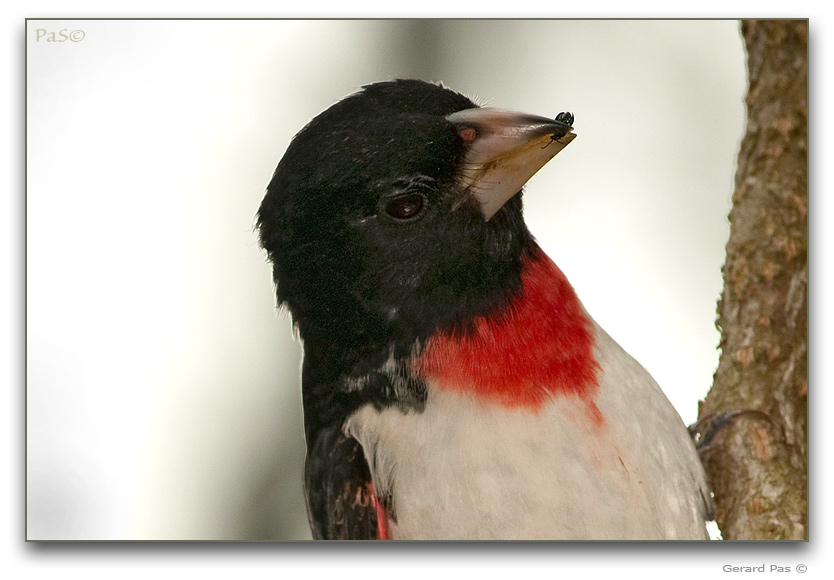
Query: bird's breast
{"points": [[536, 425], [617, 465], [463, 470]]}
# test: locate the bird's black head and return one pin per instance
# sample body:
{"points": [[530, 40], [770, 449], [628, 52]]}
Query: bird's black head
{"points": [[381, 221]]}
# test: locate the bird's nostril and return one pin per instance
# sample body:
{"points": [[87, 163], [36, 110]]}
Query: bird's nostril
{"points": [[468, 134]]}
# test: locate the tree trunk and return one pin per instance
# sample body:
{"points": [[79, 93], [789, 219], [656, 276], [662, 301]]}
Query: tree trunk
{"points": [[757, 463]]}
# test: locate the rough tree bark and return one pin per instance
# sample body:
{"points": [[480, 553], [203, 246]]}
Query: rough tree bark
{"points": [[757, 464]]}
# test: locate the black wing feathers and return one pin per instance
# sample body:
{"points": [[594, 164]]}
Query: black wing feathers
{"points": [[340, 501]]}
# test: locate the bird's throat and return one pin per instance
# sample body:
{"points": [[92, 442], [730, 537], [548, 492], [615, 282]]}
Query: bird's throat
{"points": [[537, 345]]}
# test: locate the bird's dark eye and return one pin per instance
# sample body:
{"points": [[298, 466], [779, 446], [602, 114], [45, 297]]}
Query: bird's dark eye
{"points": [[405, 207]]}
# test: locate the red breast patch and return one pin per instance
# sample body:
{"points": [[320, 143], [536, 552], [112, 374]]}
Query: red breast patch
{"points": [[538, 345]]}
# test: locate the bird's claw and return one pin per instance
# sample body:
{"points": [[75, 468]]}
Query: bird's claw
{"points": [[704, 430]]}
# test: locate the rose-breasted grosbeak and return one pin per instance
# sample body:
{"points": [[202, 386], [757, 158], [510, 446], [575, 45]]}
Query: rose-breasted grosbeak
{"points": [[454, 386]]}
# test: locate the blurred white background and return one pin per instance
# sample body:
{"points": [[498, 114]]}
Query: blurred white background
{"points": [[162, 384]]}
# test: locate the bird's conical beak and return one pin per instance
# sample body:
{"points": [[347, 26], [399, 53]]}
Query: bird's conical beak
{"points": [[504, 150]]}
